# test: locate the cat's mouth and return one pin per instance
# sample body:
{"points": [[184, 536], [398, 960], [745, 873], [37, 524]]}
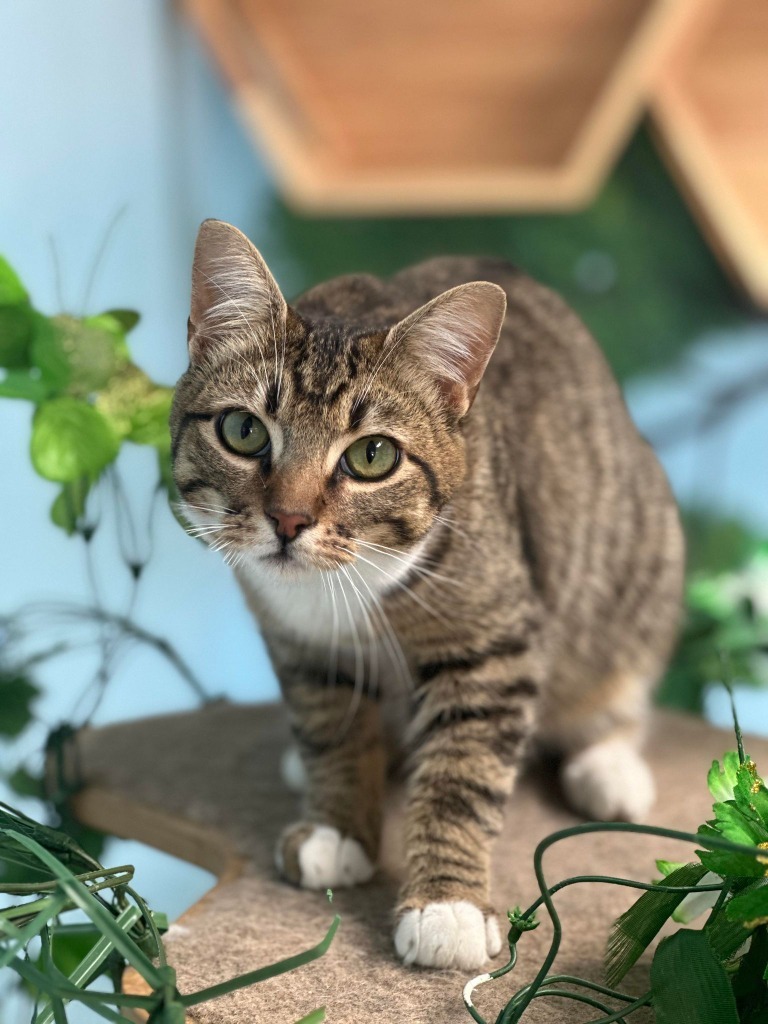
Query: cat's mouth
{"points": [[282, 556]]}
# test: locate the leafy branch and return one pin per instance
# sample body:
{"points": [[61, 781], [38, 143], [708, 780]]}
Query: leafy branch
{"points": [[716, 974]]}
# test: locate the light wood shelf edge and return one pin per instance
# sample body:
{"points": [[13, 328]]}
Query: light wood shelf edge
{"points": [[119, 815]]}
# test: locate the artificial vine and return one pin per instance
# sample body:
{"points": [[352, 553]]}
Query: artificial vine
{"points": [[716, 975]]}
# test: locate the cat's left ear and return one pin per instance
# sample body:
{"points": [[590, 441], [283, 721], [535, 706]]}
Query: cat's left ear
{"points": [[233, 291], [453, 337]]}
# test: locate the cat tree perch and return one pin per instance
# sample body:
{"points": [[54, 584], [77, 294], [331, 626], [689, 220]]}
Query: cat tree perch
{"points": [[402, 107], [449, 107], [205, 786]]}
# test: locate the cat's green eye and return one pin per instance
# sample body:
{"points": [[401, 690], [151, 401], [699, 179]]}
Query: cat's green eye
{"points": [[370, 458], [243, 433]]}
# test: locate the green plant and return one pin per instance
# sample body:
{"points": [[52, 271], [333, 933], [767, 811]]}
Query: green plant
{"points": [[89, 400], [716, 975], [726, 614], [89, 397], [120, 930]]}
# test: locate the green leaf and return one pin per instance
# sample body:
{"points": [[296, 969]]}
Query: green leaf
{"points": [[28, 385], [25, 783], [78, 893], [689, 984], [11, 289], [67, 850], [137, 408], [638, 926], [750, 794], [748, 983], [316, 1017], [666, 867], [70, 440], [17, 694], [697, 903], [17, 326], [127, 318], [731, 865], [721, 779], [68, 507], [80, 356], [749, 908], [733, 824]]}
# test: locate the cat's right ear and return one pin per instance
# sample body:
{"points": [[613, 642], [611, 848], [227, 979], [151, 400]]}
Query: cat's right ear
{"points": [[233, 291]]}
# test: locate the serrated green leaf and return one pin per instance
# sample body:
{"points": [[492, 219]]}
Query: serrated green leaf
{"points": [[27, 385], [733, 824], [721, 779], [637, 927], [17, 324], [11, 288], [69, 505], [750, 793], [731, 865], [17, 695], [749, 908], [127, 318], [70, 440], [689, 984]]}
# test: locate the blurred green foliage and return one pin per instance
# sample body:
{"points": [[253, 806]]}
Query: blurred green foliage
{"points": [[89, 396]]}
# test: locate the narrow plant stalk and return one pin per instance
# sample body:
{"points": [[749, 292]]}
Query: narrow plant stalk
{"points": [[80, 895], [94, 959], [263, 973], [517, 1006]]}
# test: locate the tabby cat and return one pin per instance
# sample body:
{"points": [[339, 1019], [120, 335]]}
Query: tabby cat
{"points": [[451, 566]]}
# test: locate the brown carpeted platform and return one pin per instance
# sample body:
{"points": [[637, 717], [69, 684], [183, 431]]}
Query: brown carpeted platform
{"points": [[206, 786]]}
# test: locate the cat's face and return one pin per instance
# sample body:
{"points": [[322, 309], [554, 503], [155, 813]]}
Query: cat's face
{"points": [[302, 446]]}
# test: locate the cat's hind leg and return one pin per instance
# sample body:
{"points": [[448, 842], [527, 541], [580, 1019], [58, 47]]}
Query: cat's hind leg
{"points": [[609, 781], [603, 773]]}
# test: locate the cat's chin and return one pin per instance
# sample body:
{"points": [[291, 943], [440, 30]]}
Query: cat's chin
{"points": [[284, 565]]}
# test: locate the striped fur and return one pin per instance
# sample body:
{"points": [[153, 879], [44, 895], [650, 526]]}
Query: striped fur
{"points": [[517, 575]]}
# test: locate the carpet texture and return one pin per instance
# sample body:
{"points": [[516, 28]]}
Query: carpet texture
{"points": [[206, 786]]}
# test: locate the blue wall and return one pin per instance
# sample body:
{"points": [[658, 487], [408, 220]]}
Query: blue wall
{"points": [[109, 113]]}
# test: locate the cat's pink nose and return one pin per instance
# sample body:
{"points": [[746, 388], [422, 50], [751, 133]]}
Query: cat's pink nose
{"points": [[289, 524]]}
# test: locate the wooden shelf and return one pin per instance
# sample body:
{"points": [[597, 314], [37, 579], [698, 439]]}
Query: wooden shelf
{"points": [[451, 106], [710, 108]]}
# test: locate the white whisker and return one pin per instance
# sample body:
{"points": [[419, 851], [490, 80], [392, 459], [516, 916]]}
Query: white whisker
{"points": [[407, 590], [428, 574]]}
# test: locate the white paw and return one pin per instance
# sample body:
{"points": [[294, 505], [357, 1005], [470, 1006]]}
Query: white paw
{"points": [[292, 770], [327, 860], [609, 782], [447, 935]]}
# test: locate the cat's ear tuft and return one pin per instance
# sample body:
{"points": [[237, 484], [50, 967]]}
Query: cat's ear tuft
{"points": [[452, 338], [233, 291]]}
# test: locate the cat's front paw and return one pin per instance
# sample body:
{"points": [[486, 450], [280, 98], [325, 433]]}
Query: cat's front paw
{"points": [[320, 857], [455, 934]]}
